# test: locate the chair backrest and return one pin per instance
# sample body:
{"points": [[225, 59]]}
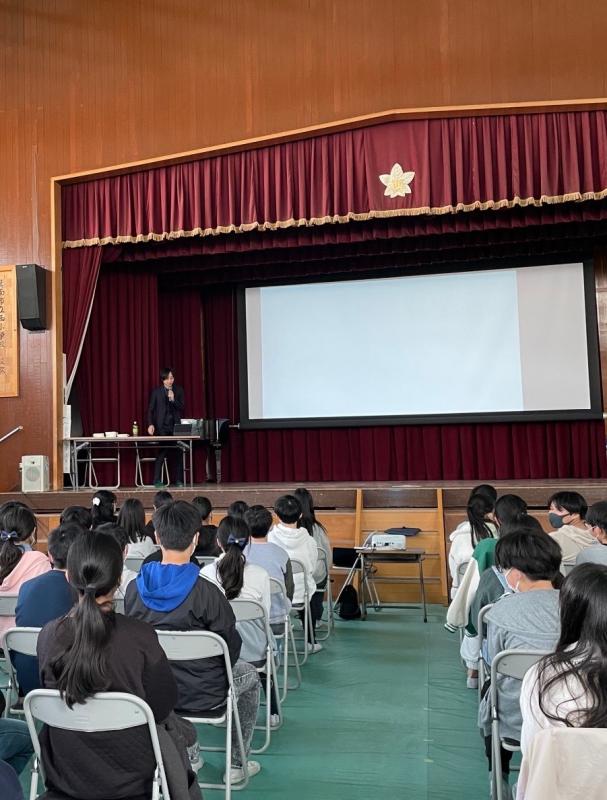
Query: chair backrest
{"points": [[8, 604], [133, 562], [205, 560], [195, 646], [106, 711], [119, 605], [480, 624], [21, 640], [252, 611], [512, 664]]}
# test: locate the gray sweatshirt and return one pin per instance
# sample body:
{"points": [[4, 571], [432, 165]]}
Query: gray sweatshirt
{"points": [[521, 621]]}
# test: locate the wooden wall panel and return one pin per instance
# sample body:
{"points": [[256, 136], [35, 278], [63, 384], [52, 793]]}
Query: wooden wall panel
{"points": [[86, 85]]}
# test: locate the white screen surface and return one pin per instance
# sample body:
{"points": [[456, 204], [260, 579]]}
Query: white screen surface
{"points": [[493, 341]]}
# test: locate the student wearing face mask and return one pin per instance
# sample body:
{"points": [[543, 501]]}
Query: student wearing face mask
{"points": [[527, 619], [567, 512]]}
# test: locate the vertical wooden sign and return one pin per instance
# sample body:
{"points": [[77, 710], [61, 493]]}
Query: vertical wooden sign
{"points": [[9, 333]]}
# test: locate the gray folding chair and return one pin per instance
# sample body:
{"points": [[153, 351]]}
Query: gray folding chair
{"points": [[195, 646], [483, 667], [22, 641], [8, 604], [286, 640], [507, 664], [328, 598], [106, 711], [134, 562], [205, 560], [253, 612], [299, 569]]}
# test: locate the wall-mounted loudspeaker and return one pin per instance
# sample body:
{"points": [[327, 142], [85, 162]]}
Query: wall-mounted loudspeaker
{"points": [[31, 292], [34, 474]]}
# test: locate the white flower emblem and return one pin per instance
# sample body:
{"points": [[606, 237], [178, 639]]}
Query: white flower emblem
{"points": [[397, 182]]}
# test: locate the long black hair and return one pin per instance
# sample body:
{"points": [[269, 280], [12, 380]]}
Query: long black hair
{"points": [[581, 652], [132, 519], [479, 506], [308, 517], [102, 507], [233, 536], [94, 569], [17, 525]]}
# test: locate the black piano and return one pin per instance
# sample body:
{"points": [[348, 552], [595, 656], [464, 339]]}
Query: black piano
{"points": [[212, 432]]}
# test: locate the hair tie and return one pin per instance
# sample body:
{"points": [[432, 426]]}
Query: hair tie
{"points": [[88, 589], [6, 536], [96, 501], [241, 543]]}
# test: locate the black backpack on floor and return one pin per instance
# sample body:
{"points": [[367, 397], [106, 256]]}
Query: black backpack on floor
{"points": [[349, 607]]}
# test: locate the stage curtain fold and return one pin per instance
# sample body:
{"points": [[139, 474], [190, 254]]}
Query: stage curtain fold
{"points": [[120, 357], [80, 271], [492, 451], [451, 166]]}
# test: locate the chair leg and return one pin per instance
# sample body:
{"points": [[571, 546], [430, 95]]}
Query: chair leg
{"points": [[268, 710], [34, 780]]}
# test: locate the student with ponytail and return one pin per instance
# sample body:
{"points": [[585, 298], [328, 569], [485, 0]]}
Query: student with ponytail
{"points": [[479, 525], [91, 650], [18, 562], [171, 595], [103, 508], [239, 579]]}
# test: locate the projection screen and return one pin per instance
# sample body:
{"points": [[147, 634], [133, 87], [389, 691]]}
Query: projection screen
{"points": [[478, 345]]}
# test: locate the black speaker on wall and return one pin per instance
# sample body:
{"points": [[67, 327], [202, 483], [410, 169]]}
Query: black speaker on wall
{"points": [[31, 294]]}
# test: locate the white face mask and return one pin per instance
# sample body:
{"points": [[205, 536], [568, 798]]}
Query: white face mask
{"points": [[512, 588]]}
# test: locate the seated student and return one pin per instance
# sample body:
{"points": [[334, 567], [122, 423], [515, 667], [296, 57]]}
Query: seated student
{"points": [[47, 597], [79, 514], [18, 562], [171, 595], [93, 649], [128, 575], [596, 525], [16, 747], [103, 508], [479, 526], [319, 533], [207, 533], [510, 509], [10, 788], [160, 498], [567, 511], [240, 579], [299, 546], [237, 509], [272, 558], [568, 688], [527, 619], [132, 520]]}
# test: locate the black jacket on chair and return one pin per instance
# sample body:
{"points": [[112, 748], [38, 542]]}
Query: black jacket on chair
{"points": [[160, 409]]}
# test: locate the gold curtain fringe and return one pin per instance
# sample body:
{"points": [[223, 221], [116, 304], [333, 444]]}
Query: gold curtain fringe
{"points": [[351, 216]]}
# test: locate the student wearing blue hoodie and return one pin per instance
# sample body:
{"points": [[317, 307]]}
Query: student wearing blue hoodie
{"points": [[171, 595]]}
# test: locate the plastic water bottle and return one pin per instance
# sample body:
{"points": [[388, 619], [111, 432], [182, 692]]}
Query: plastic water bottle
{"points": [[135, 429]]}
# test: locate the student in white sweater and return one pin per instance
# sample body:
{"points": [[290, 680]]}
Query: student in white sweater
{"points": [[567, 688], [301, 547]]}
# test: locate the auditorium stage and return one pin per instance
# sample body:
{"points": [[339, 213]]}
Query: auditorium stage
{"points": [[328, 495]]}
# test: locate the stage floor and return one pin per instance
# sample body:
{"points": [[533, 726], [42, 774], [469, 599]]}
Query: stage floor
{"points": [[329, 495]]}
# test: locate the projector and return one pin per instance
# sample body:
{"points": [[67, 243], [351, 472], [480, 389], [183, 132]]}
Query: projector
{"points": [[389, 541]]}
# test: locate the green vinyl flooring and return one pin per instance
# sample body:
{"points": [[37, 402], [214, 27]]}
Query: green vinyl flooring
{"points": [[383, 714]]}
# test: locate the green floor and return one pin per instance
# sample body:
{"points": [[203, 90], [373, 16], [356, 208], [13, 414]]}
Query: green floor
{"points": [[383, 714]]}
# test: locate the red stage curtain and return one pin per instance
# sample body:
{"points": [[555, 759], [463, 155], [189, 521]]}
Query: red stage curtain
{"points": [[180, 337], [119, 364], [80, 271], [387, 453], [462, 164]]}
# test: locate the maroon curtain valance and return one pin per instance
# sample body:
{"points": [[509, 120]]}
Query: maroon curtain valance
{"points": [[402, 168]]}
